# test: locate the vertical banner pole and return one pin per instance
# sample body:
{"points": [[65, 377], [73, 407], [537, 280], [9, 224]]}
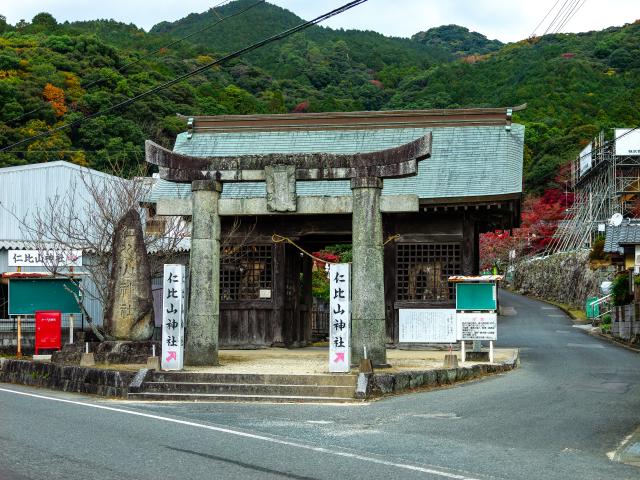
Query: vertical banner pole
{"points": [[71, 328], [19, 353], [173, 310], [491, 351], [340, 318], [463, 351]]}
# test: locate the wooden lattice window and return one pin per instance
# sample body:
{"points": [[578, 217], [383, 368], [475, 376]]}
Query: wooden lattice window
{"points": [[246, 272], [423, 270]]}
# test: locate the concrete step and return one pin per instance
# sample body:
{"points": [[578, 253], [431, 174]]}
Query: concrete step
{"points": [[272, 389], [221, 397], [254, 379]]}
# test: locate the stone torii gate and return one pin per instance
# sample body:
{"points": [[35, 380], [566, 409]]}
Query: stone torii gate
{"points": [[280, 172]]}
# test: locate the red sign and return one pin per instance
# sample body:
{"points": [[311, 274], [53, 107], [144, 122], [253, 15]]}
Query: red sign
{"points": [[48, 329]]}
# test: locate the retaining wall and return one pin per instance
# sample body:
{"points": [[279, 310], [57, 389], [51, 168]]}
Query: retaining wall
{"points": [[562, 277], [67, 378]]}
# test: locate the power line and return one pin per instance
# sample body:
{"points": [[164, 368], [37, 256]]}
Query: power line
{"points": [[237, 53], [155, 52], [570, 7], [544, 18], [557, 16], [572, 14]]}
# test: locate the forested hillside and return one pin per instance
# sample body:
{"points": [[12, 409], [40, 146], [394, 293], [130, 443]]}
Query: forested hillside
{"points": [[52, 73]]}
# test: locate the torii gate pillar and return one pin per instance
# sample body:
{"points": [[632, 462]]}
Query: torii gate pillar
{"points": [[367, 302], [203, 314]]}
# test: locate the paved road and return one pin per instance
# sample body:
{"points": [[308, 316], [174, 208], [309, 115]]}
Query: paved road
{"points": [[572, 401]]}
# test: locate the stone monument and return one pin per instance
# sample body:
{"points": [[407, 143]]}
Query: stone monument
{"points": [[129, 313]]}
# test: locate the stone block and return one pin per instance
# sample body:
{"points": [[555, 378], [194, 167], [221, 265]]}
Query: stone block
{"points": [[87, 360], [153, 363], [403, 380], [430, 378], [450, 361], [384, 383], [416, 379]]}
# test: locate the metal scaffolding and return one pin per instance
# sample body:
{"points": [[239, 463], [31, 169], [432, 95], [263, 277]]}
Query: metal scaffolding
{"points": [[604, 185]]}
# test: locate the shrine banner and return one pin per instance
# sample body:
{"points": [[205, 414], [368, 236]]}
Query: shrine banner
{"points": [[173, 312], [340, 317]]}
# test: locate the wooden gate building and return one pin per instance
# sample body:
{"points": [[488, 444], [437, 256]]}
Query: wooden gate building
{"points": [[432, 179]]}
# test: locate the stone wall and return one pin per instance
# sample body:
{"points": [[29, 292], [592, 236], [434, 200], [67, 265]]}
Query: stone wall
{"points": [[106, 383], [377, 384], [562, 277]]}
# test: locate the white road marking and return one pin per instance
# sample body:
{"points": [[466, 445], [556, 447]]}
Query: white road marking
{"points": [[548, 308], [585, 345], [253, 436], [556, 316]]}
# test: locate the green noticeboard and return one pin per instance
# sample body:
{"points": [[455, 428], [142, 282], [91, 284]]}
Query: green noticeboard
{"points": [[476, 296], [28, 295]]}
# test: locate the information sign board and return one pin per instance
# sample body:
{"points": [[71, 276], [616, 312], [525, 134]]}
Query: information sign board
{"points": [[476, 296], [173, 311], [627, 142], [339, 317], [477, 326], [45, 258], [585, 159], [48, 330], [418, 325]]}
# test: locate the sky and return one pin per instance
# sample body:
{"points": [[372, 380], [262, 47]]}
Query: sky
{"points": [[505, 20]]}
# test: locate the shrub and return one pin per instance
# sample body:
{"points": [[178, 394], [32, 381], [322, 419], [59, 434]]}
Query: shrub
{"points": [[597, 249], [620, 289]]}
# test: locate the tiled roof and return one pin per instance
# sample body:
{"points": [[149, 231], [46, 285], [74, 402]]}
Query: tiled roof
{"points": [[465, 161], [626, 234]]}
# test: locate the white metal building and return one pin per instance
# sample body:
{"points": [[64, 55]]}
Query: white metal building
{"points": [[23, 191]]}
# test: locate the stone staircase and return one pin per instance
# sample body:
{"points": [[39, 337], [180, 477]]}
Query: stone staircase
{"points": [[216, 387]]}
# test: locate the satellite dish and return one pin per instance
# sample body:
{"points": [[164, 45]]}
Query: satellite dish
{"points": [[616, 219]]}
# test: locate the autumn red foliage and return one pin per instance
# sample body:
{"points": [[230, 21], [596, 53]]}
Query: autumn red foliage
{"points": [[301, 107], [55, 96], [540, 217]]}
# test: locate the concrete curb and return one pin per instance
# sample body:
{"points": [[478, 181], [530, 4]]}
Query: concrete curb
{"points": [[380, 384], [613, 340], [575, 320]]}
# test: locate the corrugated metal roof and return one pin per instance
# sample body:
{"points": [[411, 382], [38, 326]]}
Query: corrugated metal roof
{"points": [[625, 234], [465, 161], [25, 189]]}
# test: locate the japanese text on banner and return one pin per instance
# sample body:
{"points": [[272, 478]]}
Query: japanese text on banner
{"points": [[340, 317], [173, 303]]}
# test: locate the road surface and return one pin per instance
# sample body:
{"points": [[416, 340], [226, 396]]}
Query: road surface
{"points": [[573, 400]]}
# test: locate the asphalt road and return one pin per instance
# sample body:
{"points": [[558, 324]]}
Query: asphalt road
{"points": [[574, 399]]}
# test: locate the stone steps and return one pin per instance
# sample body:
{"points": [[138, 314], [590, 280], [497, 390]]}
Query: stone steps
{"points": [[207, 387], [251, 389], [266, 379], [217, 397]]}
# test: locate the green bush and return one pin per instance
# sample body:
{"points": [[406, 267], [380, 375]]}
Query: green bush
{"points": [[620, 290], [597, 249]]}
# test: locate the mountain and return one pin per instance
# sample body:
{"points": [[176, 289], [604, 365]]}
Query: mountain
{"points": [[52, 73], [457, 40]]}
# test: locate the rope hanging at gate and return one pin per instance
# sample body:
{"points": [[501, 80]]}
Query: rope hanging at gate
{"points": [[275, 238]]}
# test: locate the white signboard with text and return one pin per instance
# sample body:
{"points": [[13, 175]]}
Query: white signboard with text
{"points": [[478, 326], [340, 317], [585, 159], [173, 311], [419, 325], [45, 258], [627, 142]]}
